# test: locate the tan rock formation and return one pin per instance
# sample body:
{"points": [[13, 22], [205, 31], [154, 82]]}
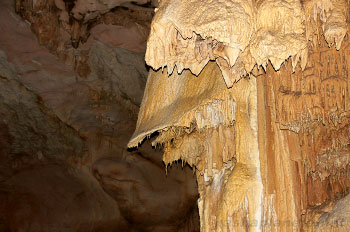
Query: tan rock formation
{"points": [[268, 145]]}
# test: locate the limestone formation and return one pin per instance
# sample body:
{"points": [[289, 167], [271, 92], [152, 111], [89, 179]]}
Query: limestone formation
{"points": [[248, 97], [258, 106], [246, 32]]}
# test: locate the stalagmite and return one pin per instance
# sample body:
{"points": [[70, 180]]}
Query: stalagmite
{"points": [[268, 146]]}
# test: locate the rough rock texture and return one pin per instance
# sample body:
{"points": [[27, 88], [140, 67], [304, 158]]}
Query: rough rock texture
{"points": [[87, 10], [337, 219], [239, 34], [68, 28], [36, 195], [269, 148], [60, 130], [148, 195]]}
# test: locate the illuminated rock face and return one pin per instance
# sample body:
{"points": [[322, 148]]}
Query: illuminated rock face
{"points": [[203, 135], [269, 146]]}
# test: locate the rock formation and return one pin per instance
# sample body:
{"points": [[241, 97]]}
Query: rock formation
{"points": [[248, 100], [68, 28], [67, 111], [258, 105]]}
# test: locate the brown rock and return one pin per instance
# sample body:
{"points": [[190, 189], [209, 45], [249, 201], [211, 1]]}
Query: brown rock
{"points": [[147, 198]]}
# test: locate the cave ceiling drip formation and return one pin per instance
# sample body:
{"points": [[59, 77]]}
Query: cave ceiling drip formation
{"points": [[258, 105]]}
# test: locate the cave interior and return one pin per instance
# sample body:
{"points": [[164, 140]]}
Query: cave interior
{"points": [[174, 116]]}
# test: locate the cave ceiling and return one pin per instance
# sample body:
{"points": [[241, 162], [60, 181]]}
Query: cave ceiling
{"points": [[241, 34]]}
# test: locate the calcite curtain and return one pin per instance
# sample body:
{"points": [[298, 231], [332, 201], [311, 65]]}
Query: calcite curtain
{"points": [[254, 95]]}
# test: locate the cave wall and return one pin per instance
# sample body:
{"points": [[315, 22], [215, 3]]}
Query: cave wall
{"points": [[305, 124], [67, 111]]}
